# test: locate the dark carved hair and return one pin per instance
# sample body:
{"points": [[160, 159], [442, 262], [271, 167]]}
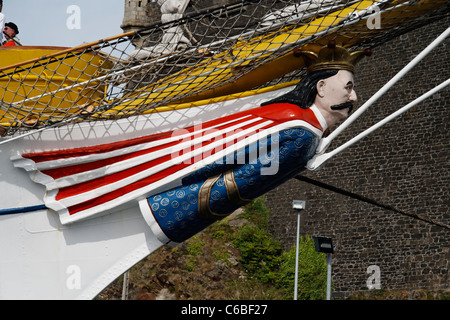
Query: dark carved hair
{"points": [[306, 90]]}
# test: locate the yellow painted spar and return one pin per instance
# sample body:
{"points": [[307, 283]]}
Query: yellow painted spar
{"points": [[243, 94], [38, 89]]}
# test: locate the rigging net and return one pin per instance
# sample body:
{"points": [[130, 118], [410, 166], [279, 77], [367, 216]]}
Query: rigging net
{"points": [[216, 51]]}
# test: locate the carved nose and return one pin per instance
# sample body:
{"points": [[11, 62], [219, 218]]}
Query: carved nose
{"points": [[353, 97]]}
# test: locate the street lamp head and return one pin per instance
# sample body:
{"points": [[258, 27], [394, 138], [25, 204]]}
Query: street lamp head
{"points": [[323, 244], [299, 204]]}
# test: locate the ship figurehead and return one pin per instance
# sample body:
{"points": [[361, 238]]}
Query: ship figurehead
{"points": [[186, 179]]}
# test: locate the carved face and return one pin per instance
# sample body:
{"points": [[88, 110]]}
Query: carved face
{"points": [[335, 96]]}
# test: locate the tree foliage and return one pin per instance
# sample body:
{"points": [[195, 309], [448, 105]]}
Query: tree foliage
{"points": [[263, 257]]}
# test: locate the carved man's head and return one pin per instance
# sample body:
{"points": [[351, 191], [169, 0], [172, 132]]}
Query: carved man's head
{"points": [[335, 96], [329, 82], [334, 91]]}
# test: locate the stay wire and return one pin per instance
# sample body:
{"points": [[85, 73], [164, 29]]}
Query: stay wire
{"points": [[368, 200]]}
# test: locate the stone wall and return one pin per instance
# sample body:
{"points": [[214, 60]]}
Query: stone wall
{"points": [[404, 165]]}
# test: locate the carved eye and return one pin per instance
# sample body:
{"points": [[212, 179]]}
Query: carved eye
{"points": [[349, 87]]}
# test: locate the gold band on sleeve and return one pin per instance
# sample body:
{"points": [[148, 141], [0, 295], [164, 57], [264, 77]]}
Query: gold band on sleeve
{"points": [[204, 194], [232, 189]]}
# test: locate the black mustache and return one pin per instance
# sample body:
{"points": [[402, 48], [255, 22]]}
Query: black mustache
{"points": [[343, 106]]}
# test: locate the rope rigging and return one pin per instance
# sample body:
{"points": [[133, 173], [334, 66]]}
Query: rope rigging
{"points": [[370, 201], [231, 47]]}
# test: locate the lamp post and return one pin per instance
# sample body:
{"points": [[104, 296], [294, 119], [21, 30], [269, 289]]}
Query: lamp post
{"points": [[325, 245], [298, 205]]}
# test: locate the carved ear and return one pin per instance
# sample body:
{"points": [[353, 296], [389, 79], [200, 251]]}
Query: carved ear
{"points": [[320, 86]]}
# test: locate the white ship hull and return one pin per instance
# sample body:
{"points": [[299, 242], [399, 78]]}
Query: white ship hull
{"points": [[44, 259]]}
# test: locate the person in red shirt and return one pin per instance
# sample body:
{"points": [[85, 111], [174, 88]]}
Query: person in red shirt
{"points": [[11, 31]]}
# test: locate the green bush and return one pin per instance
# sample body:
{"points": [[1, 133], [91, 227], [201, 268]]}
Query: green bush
{"points": [[257, 213], [260, 254], [312, 272], [263, 257], [194, 248]]}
